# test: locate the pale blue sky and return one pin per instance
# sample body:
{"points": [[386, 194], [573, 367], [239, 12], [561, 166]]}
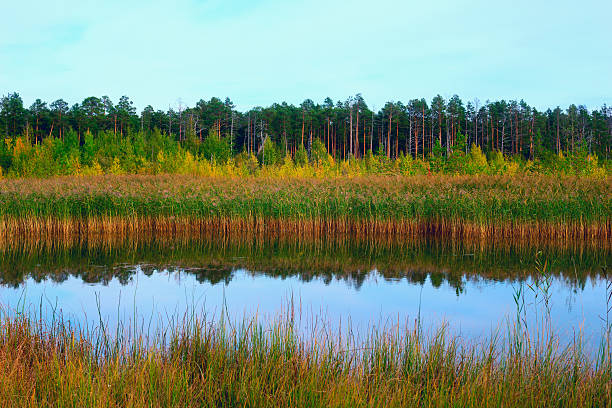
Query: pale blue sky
{"points": [[262, 51]]}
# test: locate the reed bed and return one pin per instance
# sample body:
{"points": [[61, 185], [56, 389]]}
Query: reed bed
{"points": [[199, 361], [487, 207]]}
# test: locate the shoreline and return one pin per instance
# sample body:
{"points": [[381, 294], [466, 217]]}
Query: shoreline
{"points": [[535, 233]]}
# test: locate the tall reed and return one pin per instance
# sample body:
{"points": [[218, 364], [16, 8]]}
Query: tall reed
{"points": [[501, 207]]}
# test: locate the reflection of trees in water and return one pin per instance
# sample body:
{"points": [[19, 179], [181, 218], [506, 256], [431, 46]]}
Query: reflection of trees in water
{"points": [[214, 260]]}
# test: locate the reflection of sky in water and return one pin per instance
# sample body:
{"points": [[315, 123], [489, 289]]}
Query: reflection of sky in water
{"points": [[482, 307]]}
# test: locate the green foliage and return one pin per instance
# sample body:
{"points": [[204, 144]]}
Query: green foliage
{"points": [[437, 160], [379, 163], [158, 152], [301, 156], [457, 161], [269, 154], [411, 167], [318, 153], [252, 165], [288, 166], [580, 162], [450, 122], [460, 143], [497, 163], [6, 155], [215, 148], [160, 142], [247, 162], [476, 162], [88, 151]]}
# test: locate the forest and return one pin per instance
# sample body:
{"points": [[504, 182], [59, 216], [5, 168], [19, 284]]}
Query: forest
{"points": [[99, 136]]}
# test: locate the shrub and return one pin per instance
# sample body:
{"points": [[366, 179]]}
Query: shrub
{"points": [[269, 154], [318, 153], [215, 149], [301, 157], [476, 161]]}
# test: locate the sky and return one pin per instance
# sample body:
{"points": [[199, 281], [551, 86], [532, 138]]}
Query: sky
{"points": [[258, 52]]}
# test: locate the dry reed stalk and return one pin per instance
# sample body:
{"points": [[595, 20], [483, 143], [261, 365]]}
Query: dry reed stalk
{"points": [[533, 232]]}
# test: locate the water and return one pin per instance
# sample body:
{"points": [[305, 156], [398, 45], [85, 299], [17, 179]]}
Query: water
{"points": [[469, 288]]}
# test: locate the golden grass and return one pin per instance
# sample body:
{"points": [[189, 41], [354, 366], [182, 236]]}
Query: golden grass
{"points": [[214, 363]]}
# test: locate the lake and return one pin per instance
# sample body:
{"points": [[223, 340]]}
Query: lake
{"points": [[470, 288]]}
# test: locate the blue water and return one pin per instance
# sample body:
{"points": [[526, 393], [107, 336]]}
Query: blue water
{"points": [[482, 307]]}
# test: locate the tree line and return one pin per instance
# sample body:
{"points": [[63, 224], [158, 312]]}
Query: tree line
{"points": [[347, 128]]}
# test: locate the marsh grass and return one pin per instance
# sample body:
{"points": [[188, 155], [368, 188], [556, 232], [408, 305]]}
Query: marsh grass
{"points": [[537, 208], [201, 361]]}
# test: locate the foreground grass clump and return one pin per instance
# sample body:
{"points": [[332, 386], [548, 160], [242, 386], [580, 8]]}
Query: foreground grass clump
{"points": [[204, 363], [489, 206]]}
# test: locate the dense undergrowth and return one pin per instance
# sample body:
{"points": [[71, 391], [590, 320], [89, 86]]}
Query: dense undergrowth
{"points": [[159, 153]]}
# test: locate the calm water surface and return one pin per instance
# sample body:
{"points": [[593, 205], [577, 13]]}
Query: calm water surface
{"points": [[470, 288]]}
